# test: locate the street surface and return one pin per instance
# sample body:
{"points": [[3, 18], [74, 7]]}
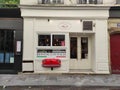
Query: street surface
{"points": [[59, 88]]}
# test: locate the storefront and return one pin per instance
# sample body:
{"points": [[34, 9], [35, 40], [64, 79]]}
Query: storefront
{"points": [[10, 35], [62, 39]]}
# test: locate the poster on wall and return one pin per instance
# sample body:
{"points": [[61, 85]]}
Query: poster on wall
{"points": [[18, 49]]}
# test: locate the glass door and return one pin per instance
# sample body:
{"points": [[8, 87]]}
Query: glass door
{"points": [[6, 49], [80, 52]]}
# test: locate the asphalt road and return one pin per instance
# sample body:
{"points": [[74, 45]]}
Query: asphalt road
{"points": [[57, 88]]}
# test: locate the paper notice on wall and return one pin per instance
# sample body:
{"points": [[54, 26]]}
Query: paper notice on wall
{"points": [[18, 46], [11, 59]]}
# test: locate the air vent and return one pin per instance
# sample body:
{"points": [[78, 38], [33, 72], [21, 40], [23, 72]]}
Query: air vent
{"points": [[87, 25]]}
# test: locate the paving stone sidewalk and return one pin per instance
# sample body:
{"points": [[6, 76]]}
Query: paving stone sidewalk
{"points": [[59, 80]]}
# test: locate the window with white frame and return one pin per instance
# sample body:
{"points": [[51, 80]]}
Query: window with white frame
{"points": [[51, 1], [87, 25], [90, 1], [51, 40]]}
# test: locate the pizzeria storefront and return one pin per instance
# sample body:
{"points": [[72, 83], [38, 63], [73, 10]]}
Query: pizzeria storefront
{"points": [[65, 40]]}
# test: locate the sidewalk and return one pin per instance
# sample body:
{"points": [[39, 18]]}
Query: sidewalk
{"points": [[59, 80]]}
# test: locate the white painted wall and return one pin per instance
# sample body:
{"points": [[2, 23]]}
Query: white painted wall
{"points": [[101, 47], [28, 39], [109, 2], [82, 12]]}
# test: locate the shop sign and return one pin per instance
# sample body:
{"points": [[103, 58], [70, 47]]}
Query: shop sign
{"points": [[64, 26]]}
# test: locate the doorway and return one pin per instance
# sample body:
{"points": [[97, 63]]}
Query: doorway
{"points": [[115, 53], [7, 61], [80, 52]]}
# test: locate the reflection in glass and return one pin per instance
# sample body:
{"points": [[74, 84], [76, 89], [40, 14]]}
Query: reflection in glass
{"points": [[73, 47], [44, 40], [84, 47], [58, 40]]}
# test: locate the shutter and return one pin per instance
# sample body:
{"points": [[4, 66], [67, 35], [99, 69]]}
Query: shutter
{"points": [[88, 25]]}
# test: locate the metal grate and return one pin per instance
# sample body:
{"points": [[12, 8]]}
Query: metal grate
{"points": [[87, 25]]}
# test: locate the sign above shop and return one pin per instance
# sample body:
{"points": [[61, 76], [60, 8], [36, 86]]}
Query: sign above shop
{"points": [[64, 26]]}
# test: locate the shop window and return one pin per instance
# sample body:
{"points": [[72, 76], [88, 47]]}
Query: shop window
{"points": [[48, 40], [58, 40], [44, 40], [6, 46], [84, 47], [73, 47], [87, 25]]}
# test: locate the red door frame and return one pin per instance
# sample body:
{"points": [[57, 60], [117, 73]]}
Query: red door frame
{"points": [[115, 53]]}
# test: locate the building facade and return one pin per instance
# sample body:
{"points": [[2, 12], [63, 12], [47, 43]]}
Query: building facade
{"points": [[66, 36], [114, 38], [11, 31]]}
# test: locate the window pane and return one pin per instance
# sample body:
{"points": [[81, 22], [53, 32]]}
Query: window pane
{"points": [[2, 35], [1, 57], [92, 1], [73, 48], [58, 40], [45, 1], [87, 25], [44, 40], [84, 47], [9, 42], [57, 1]]}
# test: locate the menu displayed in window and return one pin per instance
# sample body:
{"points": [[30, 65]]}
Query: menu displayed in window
{"points": [[51, 53]]}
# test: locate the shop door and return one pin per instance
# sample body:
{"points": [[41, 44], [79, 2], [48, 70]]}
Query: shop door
{"points": [[80, 57], [6, 49], [115, 53]]}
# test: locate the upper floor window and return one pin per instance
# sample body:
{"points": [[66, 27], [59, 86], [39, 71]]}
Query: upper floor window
{"points": [[51, 1], [90, 1], [118, 1]]}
